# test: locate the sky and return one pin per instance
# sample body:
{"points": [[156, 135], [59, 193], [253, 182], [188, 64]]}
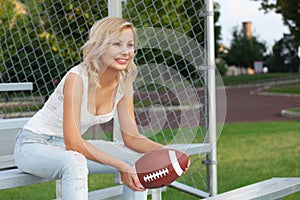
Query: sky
{"points": [[266, 27]]}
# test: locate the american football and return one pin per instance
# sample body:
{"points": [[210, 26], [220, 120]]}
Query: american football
{"points": [[161, 167]]}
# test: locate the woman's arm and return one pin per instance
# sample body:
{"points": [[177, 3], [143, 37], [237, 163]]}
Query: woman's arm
{"points": [[73, 91], [131, 136]]}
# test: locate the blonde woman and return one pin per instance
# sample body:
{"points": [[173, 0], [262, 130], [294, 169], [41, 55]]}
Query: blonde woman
{"points": [[94, 92]]}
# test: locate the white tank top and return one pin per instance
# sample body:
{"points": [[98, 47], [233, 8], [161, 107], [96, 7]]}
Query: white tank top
{"points": [[49, 119]]}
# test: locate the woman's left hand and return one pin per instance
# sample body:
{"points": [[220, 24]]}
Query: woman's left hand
{"points": [[130, 178]]}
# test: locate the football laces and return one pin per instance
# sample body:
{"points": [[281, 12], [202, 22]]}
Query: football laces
{"points": [[156, 175]]}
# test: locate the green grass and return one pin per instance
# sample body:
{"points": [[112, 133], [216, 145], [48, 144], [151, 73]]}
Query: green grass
{"points": [[294, 109], [290, 89], [251, 152], [247, 153], [250, 79]]}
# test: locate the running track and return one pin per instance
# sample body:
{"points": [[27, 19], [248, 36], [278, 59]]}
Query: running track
{"points": [[246, 105]]}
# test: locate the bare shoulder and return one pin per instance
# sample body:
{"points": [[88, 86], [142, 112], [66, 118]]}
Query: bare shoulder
{"points": [[73, 84]]}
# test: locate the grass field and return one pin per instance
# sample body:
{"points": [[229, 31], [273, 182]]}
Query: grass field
{"points": [[247, 153], [251, 152], [290, 89], [258, 78]]}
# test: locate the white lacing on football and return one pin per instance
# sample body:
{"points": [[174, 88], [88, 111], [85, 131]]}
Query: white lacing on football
{"points": [[156, 175]]}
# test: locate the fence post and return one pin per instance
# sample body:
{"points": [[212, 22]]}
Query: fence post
{"points": [[211, 97], [115, 8]]}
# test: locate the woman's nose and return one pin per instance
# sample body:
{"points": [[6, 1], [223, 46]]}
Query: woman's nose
{"points": [[125, 50]]}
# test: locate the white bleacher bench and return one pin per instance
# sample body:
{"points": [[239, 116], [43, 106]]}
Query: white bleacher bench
{"points": [[6, 87], [11, 176], [271, 189]]}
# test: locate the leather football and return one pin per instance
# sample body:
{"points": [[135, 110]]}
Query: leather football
{"points": [[159, 168]]}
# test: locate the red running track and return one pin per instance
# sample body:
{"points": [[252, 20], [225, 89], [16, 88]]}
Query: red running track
{"points": [[244, 106]]}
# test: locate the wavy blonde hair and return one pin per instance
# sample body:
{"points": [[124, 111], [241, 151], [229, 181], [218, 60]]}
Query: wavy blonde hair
{"points": [[102, 33]]}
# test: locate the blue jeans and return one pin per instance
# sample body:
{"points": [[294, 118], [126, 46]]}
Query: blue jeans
{"points": [[46, 156]]}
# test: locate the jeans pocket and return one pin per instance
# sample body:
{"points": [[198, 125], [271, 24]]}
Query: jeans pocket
{"points": [[31, 140]]}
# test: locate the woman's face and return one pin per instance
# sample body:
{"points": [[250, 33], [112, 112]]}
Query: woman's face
{"points": [[119, 52]]}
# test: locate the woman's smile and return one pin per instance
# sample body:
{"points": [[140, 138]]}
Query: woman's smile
{"points": [[121, 61]]}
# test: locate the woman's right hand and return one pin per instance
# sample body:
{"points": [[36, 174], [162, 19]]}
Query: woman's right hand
{"points": [[130, 178]]}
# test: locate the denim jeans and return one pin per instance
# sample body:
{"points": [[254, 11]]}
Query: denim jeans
{"points": [[46, 156]]}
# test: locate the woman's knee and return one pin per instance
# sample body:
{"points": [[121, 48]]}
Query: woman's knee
{"points": [[74, 176], [75, 164]]}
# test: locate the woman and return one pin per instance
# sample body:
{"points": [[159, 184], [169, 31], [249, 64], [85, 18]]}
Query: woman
{"points": [[50, 144]]}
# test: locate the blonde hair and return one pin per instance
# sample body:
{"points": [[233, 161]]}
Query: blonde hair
{"points": [[102, 33]]}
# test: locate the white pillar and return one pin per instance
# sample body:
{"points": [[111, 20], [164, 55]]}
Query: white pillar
{"points": [[212, 97], [115, 8]]}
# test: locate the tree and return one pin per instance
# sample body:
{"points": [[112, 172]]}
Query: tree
{"points": [[186, 17], [217, 28], [289, 9], [284, 57], [244, 51], [43, 38]]}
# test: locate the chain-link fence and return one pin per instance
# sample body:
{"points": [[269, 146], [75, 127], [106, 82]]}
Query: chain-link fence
{"points": [[41, 40]]}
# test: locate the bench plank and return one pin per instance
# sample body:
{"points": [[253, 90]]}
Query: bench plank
{"points": [[7, 161], [5, 87], [15, 178], [191, 149], [111, 193], [189, 189], [15, 123], [274, 188], [9, 129]]}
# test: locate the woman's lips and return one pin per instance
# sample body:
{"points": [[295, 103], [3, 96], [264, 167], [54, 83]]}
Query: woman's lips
{"points": [[121, 61]]}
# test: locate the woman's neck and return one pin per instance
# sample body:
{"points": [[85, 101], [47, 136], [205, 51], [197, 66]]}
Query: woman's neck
{"points": [[109, 78]]}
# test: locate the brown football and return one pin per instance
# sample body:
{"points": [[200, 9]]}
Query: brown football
{"points": [[161, 167]]}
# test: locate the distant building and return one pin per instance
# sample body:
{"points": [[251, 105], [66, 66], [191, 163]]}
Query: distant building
{"points": [[247, 29]]}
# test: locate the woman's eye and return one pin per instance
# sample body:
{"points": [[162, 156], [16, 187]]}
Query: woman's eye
{"points": [[130, 45], [116, 44]]}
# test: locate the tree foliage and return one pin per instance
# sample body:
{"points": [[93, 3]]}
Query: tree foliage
{"points": [[244, 51], [43, 38], [186, 17], [290, 11], [284, 57]]}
